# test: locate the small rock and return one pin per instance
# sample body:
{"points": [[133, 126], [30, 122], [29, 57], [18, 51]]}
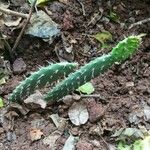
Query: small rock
{"points": [[129, 84], [84, 145], [19, 66], [95, 110]]}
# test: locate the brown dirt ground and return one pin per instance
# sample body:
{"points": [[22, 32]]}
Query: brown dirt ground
{"points": [[113, 86]]}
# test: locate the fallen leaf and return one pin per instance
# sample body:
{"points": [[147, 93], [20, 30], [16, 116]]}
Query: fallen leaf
{"points": [[103, 36], [51, 139], [35, 134], [20, 108], [4, 4], [59, 122], [128, 133], [140, 144], [9, 22], [123, 146], [86, 88], [70, 143], [78, 113], [11, 114], [2, 81], [36, 98], [113, 16], [139, 115]]}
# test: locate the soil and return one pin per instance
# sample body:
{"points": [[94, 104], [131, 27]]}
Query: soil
{"points": [[125, 88]]}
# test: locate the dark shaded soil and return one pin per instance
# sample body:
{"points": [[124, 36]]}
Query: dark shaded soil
{"points": [[125, 86]]}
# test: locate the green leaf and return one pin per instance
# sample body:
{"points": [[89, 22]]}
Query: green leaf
{"points": [[103, 37], [40, 2], [1, 103], [123, 146], [113, 16], [86, 88], [137, 145], [2, 81]]}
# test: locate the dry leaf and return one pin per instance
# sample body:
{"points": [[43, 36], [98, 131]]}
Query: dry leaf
{"points": [[36, 98], [12, 23], [59, 122], [35, 134], [51, 140], [78, 113], [70, 143]]}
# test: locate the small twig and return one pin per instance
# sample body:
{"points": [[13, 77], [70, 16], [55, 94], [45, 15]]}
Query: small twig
{"points": [[83, 9], [25, 24], [48, 12], [96, 18], [139, 23], [14, 13], [93, 96]]}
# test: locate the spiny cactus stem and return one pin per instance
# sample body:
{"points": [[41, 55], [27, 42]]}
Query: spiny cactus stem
{"points": [[39, 79], [121, 52]]}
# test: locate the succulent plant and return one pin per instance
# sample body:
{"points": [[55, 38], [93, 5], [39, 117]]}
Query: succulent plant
{"points": [[121, 52], [39, 79]]}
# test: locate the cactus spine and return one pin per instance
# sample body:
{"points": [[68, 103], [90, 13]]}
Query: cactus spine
{"points": [[121, 52], [39, 79]]}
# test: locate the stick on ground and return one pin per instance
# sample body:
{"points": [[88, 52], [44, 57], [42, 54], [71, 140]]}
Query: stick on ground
{"points": [[139, 23], [14, 13], [25, 25]]}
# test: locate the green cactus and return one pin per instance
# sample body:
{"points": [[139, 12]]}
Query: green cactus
{"points": [[49, 74], [39, 79], [121, 52]]}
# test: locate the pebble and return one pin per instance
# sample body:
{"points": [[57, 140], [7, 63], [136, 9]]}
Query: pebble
{"points": [[19, 66], [95, 110]]}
